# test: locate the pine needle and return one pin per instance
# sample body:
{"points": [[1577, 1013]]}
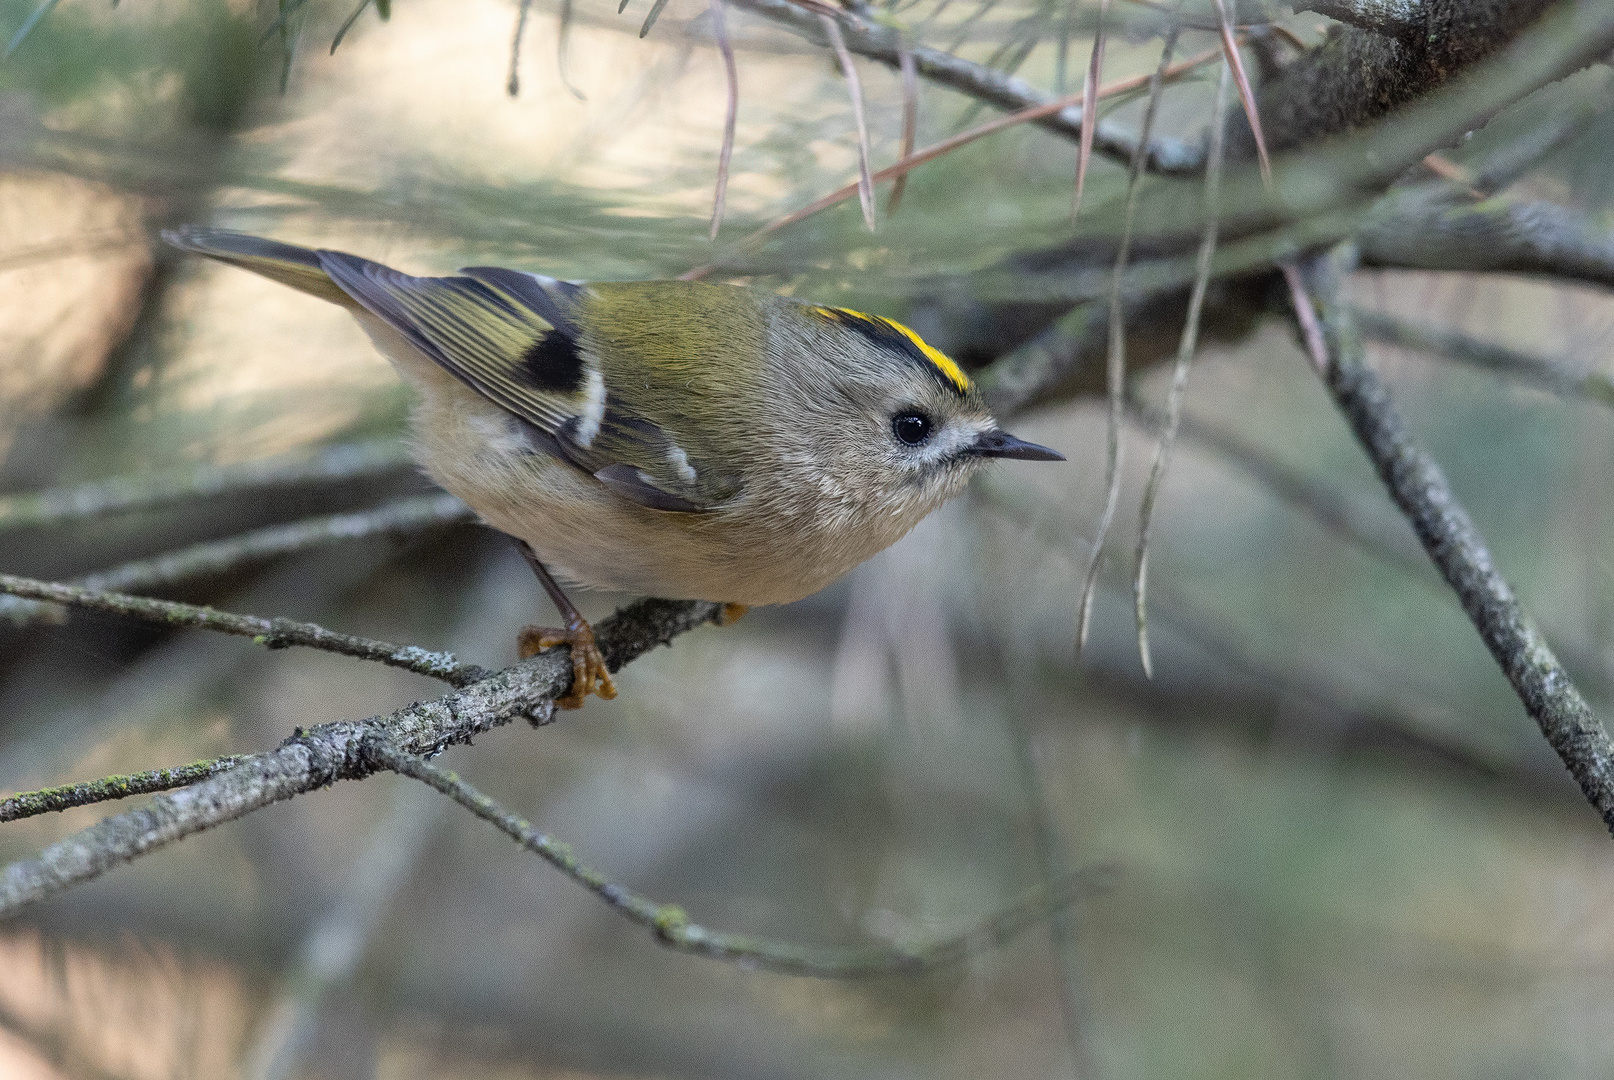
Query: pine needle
{"points": [[650, 19], [562, 41], [731, 73], [1306, 315], [347, 24], [513, 85], [27, 26], [1084, 148], [910, 120], [865, 182], [1246, 94], [1115, 367], [1187, 345]]}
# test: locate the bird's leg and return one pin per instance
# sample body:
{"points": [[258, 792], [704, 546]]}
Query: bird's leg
{"points": [[589, 673], [731, 613]]}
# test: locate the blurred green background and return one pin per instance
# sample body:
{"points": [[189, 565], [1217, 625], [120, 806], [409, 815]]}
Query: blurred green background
{"points": [[1335, 844]]}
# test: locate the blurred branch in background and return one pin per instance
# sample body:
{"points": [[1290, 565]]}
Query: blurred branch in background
{"points": [[1421, 491], [1322, 752]]}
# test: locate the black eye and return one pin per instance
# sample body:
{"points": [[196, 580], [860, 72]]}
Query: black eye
{"points": [[911, 427]]}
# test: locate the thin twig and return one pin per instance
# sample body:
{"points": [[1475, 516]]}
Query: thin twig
{"points": [[1331, 509], [671, 925], [318, 756], [865, 183], [274, 633], [1187, 345], [1420, 489], [731, 113], [1115, 366], [53, 799], [399, 517], [150, 491], [1526, 368]]}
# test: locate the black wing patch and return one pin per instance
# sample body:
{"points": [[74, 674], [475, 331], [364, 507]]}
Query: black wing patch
{"points": [[553, 363], [512, 337]]}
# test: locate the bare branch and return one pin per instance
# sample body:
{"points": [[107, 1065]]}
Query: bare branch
{"points": [[1431, 230], [274, 633], [671, 925], [149, 491], [399, 517], [1420, 489], [1530, 370], [1328, 508], [341, 750]]}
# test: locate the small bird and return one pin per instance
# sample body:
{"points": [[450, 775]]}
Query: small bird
{"points": [[667, 438]]}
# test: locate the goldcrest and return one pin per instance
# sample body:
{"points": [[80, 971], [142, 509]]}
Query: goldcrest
{"points": [[665, 438]]}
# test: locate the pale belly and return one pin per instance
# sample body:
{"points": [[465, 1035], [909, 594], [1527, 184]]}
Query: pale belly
{"points": [[588, 535]]}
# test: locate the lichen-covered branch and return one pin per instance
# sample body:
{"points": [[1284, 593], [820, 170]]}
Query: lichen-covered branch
{"points": [[671, 925], [275, 633], [321, 755], [65, 797], [1421, 491], [150, 491]]}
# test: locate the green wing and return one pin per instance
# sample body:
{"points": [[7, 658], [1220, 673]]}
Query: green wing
{"points": [[515, 338]]}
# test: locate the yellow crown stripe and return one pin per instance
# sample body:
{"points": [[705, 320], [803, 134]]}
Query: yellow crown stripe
{"points": [[944, 363], [940, 360]]}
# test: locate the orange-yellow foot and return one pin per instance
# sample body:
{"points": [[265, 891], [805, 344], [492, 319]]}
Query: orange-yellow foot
{"points": [[730, 613], [589, 673]]}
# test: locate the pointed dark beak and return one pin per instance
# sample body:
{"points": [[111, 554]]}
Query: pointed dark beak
{"points": [[1002, 444]]}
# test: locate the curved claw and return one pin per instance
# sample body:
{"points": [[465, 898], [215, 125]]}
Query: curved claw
{"points": [[589, 673]]}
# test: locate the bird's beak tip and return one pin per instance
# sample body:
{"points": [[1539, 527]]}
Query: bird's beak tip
{"points": [[1001, 444]]}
